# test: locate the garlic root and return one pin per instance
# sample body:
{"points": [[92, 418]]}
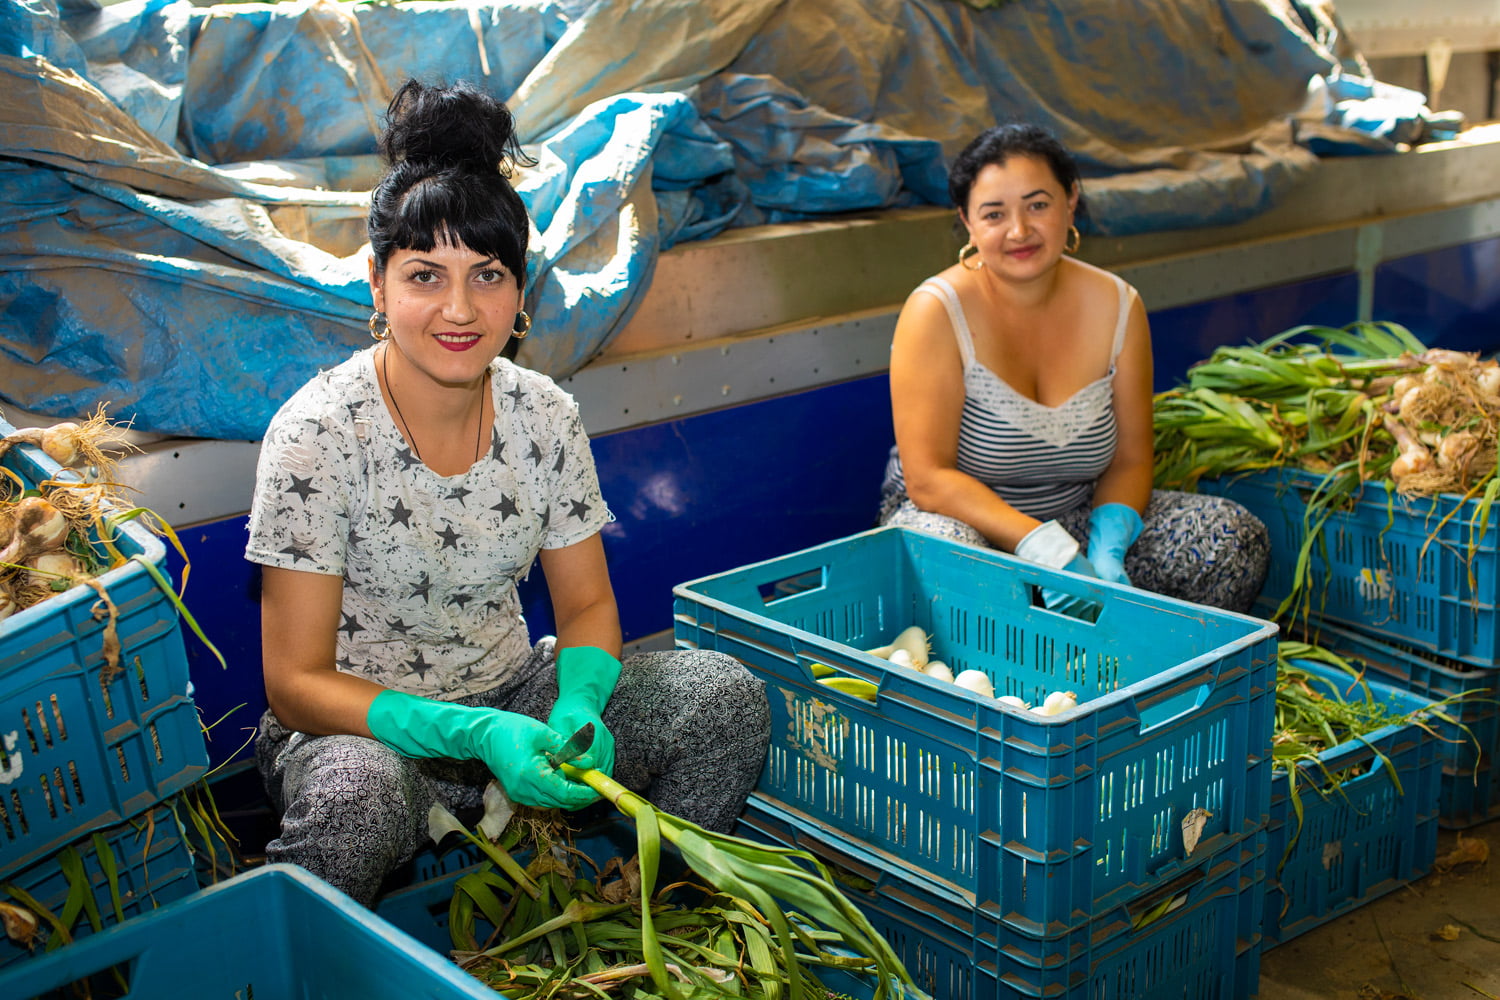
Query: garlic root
{"points": [[74, 445]]}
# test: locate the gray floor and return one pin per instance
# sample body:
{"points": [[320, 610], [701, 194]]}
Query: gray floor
{"points": [[1394, 948]]}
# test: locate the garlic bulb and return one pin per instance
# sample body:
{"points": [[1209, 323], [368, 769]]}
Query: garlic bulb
{"points": [[1489, 378], [36, 527], [58, 570]]}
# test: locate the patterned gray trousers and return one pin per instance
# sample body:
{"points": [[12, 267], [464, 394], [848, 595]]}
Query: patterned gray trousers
{"points": [[691, 730], [1197, 548]]}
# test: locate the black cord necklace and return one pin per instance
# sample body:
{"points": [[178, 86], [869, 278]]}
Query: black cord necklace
{"points": [[385, 373]]}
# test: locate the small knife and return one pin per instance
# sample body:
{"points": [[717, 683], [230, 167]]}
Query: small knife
{"points": [[578, 744]]}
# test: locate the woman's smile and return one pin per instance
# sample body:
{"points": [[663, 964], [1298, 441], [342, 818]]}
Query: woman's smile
{"points": [[458, 341]]}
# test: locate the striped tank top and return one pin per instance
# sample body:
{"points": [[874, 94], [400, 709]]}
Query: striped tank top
{"points": [[1042, 460]]}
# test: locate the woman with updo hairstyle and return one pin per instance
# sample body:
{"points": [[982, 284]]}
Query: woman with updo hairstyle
{"points": [[399, 498], [1021, 391]]}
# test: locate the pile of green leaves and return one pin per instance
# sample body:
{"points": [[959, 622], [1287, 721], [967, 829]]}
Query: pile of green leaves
{"points": [[1315, 714], [1309, 399], [1306, 398], [744, 919]]}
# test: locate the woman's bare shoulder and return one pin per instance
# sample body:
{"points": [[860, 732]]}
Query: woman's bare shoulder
{"points": [[926, 312], [1092, 279]]}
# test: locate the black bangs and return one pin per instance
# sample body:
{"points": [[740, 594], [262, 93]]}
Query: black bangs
{"points": [[456, 205]]}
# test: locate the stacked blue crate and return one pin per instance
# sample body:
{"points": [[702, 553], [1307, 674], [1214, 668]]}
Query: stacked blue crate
{"points": [[1029, 843], [113, 875], [1411, 587], [1358, 822], [93, 742]]}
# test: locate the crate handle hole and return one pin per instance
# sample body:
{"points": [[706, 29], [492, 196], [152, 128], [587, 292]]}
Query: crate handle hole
{"points": [[1164, 901], [1173, 706], [790, 586], [1066, 605]]}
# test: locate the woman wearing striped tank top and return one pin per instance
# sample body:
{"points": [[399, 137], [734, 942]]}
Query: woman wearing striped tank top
{"points": [[1021, 394]]}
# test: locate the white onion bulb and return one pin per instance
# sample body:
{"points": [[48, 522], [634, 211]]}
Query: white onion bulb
{"points": [[938, 670], [977, 681]]}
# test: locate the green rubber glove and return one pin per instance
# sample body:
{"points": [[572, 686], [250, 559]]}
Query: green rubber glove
{"points": [[511, 745], [586, 677]]}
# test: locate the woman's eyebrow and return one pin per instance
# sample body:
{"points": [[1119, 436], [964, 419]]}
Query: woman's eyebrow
{"points": [[1028, 194]]}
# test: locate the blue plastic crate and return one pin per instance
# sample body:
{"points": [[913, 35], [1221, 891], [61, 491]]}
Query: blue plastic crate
{"points": [[1042, 820], [1195, 933], [77, 754], [152, 864], [420, 908], [1468, 744], [1360, 841], [1395, 568], [274, 933]]}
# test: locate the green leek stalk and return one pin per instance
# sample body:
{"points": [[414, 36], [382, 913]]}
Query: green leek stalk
{"points": [[765, 876]]}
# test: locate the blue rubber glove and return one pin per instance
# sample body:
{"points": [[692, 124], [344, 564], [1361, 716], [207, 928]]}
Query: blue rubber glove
{"points": [[1113, 528], [512, 746], [1049, 544], [586, 677]]}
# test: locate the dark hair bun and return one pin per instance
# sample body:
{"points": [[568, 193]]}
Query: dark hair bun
{"points": [[450, 125]]}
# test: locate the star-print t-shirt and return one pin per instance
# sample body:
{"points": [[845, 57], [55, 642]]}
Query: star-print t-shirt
{"points": [[429, 562]]}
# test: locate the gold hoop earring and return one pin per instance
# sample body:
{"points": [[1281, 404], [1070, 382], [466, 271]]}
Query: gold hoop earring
{"points": [[1074, 238], [380, 327], [522, 326], [965, 252]]}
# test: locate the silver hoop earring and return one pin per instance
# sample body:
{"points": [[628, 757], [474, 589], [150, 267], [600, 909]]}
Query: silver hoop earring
{"points": [[522, 326], [380, 327]]}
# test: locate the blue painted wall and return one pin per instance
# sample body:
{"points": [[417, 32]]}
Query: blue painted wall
{"points": [[1185, 335], [722, 489], [1448, 298], [223, 596]]}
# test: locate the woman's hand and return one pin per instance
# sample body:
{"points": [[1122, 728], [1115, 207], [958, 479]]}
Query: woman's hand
{"points": [[588, 643], [1050, 545]]}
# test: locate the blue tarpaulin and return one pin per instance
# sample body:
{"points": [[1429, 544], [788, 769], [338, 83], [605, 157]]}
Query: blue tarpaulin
{"points": [[182, 188]]}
